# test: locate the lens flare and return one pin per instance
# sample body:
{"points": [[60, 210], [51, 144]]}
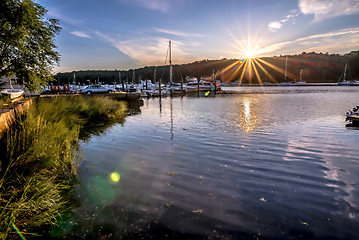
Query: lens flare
{"points": [[17, 231], [115, 177]]}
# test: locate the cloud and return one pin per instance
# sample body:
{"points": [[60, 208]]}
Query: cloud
{"points": [[152, 51], [324, 9], [332, 41], [56, 14], [148, 51], [80, 34], [274, 26], [159, 5], [177, 33]]}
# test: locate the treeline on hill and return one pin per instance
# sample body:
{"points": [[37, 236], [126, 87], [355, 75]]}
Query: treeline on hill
{"points": [[316, 68]]}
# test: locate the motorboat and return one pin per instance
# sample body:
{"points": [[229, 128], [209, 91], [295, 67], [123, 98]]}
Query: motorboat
{"points": [[204, 86], [175, 88]]}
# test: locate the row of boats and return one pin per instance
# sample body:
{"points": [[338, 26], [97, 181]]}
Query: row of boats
{"points": [[147, 89]]}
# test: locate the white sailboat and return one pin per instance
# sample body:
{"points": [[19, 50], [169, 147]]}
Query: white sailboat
{"points": [[13, 93], [345, 82], [174, 88], [285, 75], [301, 81]]}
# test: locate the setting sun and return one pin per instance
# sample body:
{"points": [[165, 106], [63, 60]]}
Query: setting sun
{"points": [[249, 54]]}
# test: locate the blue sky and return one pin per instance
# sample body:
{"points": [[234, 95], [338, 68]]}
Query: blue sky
{"points": [[129, 34]]}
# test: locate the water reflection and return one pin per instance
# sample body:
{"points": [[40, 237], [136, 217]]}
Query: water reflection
{"points": [[134, 107], [248, 118]]}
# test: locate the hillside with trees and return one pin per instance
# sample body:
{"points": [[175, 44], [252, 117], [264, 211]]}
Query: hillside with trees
{"points": [[316, 68]]}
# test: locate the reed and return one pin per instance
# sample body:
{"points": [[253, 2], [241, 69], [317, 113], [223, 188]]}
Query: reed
{"points": [[41, 160]]}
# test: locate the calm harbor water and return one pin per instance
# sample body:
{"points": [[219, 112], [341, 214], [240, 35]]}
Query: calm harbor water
{"points": [[266, 163]]}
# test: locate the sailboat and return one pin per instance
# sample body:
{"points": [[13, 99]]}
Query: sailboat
{"points": [[301, 81], [285, 75], [174, 88], [13, 93], [345, 82]]}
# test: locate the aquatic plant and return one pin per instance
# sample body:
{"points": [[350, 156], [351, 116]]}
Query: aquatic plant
{"points": [[39, 167]]}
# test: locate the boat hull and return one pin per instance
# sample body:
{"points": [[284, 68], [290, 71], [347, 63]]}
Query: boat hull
{"points": [[13, 93]]}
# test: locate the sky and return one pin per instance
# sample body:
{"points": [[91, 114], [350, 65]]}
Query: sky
{"points": [[130, 34]]}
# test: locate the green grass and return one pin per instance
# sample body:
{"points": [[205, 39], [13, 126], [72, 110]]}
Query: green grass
{"points": [[4, 100], [40, 166]]}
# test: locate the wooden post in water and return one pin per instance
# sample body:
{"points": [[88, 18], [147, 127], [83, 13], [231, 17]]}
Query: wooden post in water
{"points": [[159, 87], [198, 87], [123, 85], [181, 86]]}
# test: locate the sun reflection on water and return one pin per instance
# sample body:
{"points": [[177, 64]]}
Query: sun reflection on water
{"points": [[248, 118]]}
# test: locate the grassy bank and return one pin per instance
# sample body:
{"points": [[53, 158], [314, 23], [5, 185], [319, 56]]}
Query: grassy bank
{"points": [[39, 168]]}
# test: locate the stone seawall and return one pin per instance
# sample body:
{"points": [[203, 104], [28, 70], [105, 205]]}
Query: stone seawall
{"points": [[9, 114]]}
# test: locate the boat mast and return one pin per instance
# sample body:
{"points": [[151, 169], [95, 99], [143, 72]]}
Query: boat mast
{"points": [[170, 61], [154, 76], [345, 71], [285, 70], [10, 84]]}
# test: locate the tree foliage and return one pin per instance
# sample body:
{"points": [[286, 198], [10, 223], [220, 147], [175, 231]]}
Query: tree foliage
{"points": [[27, 47]]}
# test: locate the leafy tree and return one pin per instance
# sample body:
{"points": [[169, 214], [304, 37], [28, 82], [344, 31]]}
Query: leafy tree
{"points": [[27, 47]]}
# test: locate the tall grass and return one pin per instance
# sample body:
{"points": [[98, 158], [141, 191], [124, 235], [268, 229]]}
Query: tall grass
{"points": [[39, 168]]}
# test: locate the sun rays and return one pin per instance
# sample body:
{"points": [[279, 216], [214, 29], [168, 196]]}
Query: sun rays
{"points": [[250, 67]]}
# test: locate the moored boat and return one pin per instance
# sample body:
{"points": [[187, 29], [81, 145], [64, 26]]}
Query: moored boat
{"points": [[13, 93]]}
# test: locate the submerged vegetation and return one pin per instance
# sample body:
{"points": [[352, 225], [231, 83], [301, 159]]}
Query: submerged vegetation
{"points": [[39, 168]]}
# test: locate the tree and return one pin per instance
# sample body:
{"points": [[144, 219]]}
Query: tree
{"points": [[27, 47]]}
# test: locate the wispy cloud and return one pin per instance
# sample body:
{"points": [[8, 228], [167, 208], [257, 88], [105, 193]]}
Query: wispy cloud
{"points": [[56, 14], [148, 51], [80, 34], [275, 25], [324, 9], [332, 41], [159, 5], [178, 33]]}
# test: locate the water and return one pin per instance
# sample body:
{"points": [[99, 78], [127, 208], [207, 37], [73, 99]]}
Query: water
{"points": [[267, 163]]}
